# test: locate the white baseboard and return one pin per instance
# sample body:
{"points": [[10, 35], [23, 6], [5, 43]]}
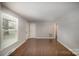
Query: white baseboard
{"points": [[42, 37], [68, 48], [77, 51], [12, 50]]}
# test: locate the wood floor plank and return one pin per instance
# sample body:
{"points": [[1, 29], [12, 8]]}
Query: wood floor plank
{"points": [[42, 47]]}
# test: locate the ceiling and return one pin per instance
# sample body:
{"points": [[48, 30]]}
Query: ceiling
{"points": [[42, 10]]}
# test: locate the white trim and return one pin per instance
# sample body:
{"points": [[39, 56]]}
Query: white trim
{"points": [[68, 48], [43, 37], [12, 50]]}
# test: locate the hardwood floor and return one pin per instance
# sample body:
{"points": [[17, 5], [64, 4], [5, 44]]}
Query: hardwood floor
{"points": [[42, 47]]}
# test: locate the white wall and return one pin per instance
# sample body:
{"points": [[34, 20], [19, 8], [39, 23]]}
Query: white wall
{"points": [[0, 25], [68, 30], [32, 30], [43, 29], [23, 32]]}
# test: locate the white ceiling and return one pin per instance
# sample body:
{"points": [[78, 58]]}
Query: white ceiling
{"points": [[41, 10]]}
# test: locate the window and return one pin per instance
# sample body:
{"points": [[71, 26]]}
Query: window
{"points": [[9, 30]]}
